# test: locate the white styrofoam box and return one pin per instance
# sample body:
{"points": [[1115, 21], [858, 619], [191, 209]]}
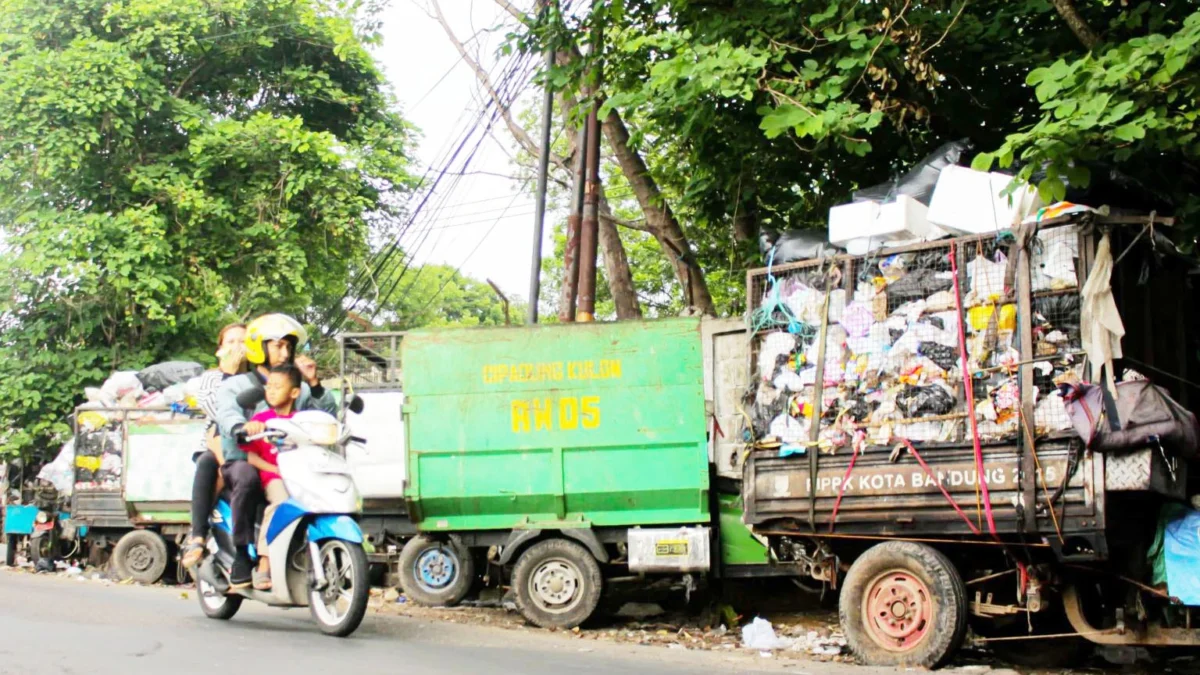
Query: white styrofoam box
{"points": [[905, 218], [966, 201]]}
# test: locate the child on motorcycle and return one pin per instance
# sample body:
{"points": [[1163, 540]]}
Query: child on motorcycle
{"points": [[282, 390]]}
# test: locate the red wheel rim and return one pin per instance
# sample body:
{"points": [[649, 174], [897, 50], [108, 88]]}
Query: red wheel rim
{"points": [[898, 611]]}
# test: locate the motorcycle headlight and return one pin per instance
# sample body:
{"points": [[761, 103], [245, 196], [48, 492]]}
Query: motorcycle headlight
{"points": [[323, 434], [42, 517]]}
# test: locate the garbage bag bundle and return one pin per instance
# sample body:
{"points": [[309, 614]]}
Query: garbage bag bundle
{"points": [[164, 375], [917, 284], [60, 473], [920, 180], [1146, 416], [921, 401], [795, 245]]}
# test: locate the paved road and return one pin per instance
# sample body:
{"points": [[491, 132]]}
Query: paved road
{"points": [[52, 624]]}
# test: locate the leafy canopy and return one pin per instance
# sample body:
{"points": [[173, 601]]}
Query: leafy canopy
{"points": [[168, 165]]}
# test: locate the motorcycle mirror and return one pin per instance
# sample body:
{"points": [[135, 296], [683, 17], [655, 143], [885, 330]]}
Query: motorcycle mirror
{"points": [[356, 404], [251, 397]]}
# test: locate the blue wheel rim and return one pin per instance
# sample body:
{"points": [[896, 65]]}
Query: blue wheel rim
{"points": [[436, 568]]}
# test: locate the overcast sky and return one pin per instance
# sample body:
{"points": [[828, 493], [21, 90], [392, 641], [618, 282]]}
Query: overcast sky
{"points": [[486, 224]]}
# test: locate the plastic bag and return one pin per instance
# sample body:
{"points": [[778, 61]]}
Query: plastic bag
{"points": [[795, 245], [920, 181], [162, 375], [920, 284], [773, 347], [120, 385], [925, 400], [61, 473], [759, 634]]}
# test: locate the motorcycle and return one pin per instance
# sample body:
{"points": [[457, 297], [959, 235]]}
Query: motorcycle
{"points": [[314, 543]]}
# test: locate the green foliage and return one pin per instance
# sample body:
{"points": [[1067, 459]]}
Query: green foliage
{"points": [[434, 296], [1133, 104], [774, 110], [166, 166]]}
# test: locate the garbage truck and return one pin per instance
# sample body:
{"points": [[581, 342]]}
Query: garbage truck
{"points": [[558, 457], [936, 433]]}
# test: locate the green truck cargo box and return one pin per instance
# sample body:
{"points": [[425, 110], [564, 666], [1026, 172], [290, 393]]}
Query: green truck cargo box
{"points": [[556, 426]]}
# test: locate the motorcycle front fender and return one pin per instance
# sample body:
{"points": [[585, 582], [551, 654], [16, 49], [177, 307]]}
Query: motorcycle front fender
{"points": [[334, 527]]}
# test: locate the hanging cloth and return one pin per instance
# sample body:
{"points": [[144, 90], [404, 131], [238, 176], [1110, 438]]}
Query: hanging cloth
{"points": [[1101, 325]]}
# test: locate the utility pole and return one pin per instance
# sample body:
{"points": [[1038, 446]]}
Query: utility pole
{"points": [[589, 234], [539, 216], [570, 286]]}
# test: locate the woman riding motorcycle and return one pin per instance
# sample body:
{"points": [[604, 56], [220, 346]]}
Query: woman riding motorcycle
{"points": [[271, 340]]}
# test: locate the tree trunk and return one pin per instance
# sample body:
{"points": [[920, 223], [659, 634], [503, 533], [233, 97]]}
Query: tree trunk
{"points": [[662, 222], [616, 262], [616, 265], [1070, 13]]}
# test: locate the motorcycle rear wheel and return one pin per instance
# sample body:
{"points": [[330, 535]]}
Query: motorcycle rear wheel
{"points": [[214, 605]]}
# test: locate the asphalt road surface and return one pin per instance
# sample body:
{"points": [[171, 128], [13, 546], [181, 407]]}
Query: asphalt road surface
{"points": [[54, 624]]}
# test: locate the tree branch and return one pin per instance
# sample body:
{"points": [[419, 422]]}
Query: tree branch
{"points": [[515, 12], [628, 224], [518, 132], [1077, 24]]}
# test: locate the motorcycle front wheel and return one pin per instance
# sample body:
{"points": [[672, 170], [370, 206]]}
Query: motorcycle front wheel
{"points": [[339, 607]]}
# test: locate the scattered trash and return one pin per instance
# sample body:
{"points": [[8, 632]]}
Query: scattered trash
{"points": [[74, 571], [760, 634], [391, 595]]}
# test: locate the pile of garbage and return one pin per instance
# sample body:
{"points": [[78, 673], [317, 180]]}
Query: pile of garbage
{"points": [[94, 458], [899, 326]]}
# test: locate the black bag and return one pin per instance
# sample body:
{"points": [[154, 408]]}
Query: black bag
{"points": [[163, 375], [919, 182], [795, 245]]}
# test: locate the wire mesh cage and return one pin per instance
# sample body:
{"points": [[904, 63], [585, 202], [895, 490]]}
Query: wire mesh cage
{"points": [[899, 324]]}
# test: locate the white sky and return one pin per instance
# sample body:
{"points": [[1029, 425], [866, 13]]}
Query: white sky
{"points": [[440, 94]]}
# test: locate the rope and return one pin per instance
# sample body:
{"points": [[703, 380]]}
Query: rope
{"points": [[929, 472], [1037, 462], [764, 316], [968, 384], [858, 441]]}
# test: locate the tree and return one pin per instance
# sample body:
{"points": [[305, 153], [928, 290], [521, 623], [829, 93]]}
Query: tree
{"points": [[165, 166], [761, 114], [439, 296]]}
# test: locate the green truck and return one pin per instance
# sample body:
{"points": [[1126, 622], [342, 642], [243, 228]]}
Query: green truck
{"points": [[566, 455]]}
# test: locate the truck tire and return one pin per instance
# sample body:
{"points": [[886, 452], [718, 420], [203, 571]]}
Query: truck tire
{"points": [[140, 555], [903, 604], [436, 573], [10, 550], [558, 584]]}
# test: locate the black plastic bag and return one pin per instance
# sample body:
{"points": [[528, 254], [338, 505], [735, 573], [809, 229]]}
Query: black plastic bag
{"points": [[917, 284], [795, 245], [945, 357], [919, 182], [931, 399], [162, 375]]}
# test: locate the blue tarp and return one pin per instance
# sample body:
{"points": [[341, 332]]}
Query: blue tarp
{"points": [[19, 519], [1182, 545]]}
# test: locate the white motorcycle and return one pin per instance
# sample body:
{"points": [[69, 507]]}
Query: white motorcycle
{"points": [[314, 543]]}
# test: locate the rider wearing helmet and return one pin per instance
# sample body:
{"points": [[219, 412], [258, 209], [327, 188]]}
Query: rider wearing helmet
{"points": [[271, 340]]}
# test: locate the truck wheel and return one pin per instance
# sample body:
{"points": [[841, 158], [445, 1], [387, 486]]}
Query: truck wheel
{"points": [[558, 584], [436, 573], [10, 550], [140, 555], [903, 604]]}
